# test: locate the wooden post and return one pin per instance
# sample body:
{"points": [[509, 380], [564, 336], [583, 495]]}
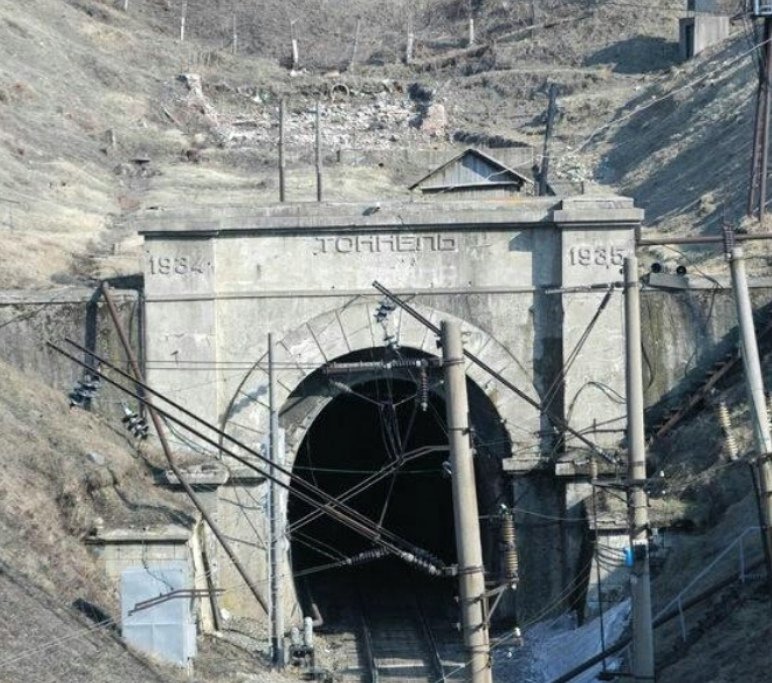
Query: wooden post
{"points": [[183, 17], [544, 167], [282, 160], [294, 43], [355, 46], [410, 38], [318, 152], [234, 32]]}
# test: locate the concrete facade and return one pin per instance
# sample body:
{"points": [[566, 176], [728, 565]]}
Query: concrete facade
{"points": [[523, 276]]}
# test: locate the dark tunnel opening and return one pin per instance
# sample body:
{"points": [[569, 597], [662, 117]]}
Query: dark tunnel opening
{"points": [[375, 416], [357, 434]]}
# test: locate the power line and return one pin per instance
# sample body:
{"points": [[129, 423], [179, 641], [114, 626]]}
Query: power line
{"points": [[323, 501]]}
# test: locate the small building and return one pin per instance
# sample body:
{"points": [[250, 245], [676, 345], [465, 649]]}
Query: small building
{"points": [[705, 27], [473, 174]]}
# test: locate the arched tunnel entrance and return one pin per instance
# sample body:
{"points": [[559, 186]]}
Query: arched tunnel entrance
{"points": [[371, 419], [354, 437]]}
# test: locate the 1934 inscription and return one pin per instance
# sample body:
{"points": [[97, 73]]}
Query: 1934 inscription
{"points": [[378, 244], [194, 264]]}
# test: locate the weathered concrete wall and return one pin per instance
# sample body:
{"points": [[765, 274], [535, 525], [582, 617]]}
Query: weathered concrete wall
{"points": [[698, 33], [685, 331], [218, 283], [28, 319]]}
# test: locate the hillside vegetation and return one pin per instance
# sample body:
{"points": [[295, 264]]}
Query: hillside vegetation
{"points": [[98, 122]]}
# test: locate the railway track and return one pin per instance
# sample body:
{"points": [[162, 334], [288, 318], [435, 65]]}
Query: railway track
{"points": [[400, 641], [390, 626]]}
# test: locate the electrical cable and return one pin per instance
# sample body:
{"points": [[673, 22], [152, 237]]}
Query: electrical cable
{"points": [[363, 485], [332, 507], [551, 392]]}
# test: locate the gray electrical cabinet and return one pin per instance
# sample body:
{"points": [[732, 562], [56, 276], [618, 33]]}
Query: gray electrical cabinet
{"points": [[762, 8], [166, 629]]}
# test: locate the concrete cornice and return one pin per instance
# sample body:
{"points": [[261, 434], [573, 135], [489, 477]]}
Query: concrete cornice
{"points": [[297, 219], [597, 210]]}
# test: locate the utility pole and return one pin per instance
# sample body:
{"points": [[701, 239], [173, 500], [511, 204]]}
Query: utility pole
{"points": [[471, 576], [759, 161], [640, 578], [183, 19], [545, 157], [282, 160], [318, 151], [755, 383], [277, 528], [159, 428]]}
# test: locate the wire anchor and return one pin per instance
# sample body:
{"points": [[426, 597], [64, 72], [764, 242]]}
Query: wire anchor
{"points": [[134, 423], [85, 391]]}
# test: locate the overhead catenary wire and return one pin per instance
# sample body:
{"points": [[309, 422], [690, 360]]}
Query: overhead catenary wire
{"points": [[333, 508], [557, 421]]}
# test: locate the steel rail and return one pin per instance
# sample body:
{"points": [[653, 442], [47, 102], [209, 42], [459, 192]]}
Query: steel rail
{"points": [[367, 640], [431, 641]]}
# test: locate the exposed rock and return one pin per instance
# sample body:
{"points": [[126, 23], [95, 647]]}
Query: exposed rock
{"points": [[435, 120]]}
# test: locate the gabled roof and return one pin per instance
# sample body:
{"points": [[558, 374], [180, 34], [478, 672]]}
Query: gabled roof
{"points": [[483, 171]]}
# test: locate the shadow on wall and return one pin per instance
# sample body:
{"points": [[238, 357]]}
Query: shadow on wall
{"points": [[642, 54]]}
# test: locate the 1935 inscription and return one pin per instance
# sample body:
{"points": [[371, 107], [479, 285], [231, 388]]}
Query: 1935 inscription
{"points": [[378, 244], [604, 255]]}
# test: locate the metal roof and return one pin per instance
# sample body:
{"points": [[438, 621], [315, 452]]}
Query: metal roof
{"points": [[487, 171]]}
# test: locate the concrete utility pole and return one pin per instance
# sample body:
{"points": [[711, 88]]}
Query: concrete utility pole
{"points": [[755, 382], [640, 579], [277, 528], [282, 160], [545, 157], [318, 151], [471, 577]]}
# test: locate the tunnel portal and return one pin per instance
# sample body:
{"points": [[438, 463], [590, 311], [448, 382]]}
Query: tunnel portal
{"points": [[372, 421], [523, 279]]}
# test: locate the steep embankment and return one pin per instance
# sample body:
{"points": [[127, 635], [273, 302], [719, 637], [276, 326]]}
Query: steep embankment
{"points": [[65, 472], [682, 149]]}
